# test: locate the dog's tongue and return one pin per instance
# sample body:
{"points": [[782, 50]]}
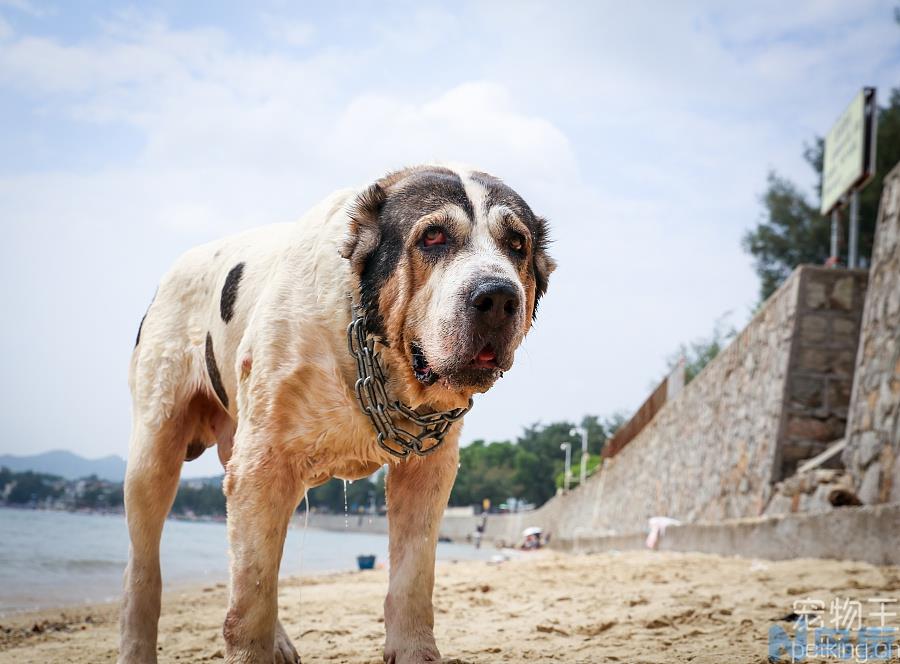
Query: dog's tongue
{"points": [[486, 354]]}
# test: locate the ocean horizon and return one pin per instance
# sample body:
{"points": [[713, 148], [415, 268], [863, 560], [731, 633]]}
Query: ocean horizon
{"points": [[51, 559]]}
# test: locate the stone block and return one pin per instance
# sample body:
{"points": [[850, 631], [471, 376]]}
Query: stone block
{"points": [[892, 305], [870, 487], [842, 293], [894, 495], [827, 361], [799, 450], [818, 501], [885, 405], [813, 329], [843, 362], [837, 399], [869, 446], [814, 429], [816, 296], [814, 359], [806, 392], [844, 331]]}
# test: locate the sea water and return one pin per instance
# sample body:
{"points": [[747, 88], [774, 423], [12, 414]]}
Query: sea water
{"points": [[50, 559]]}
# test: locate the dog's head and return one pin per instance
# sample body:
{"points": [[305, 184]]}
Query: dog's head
{"points": [[451, 266]]}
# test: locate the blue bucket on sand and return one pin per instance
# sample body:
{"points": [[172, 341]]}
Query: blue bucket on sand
{"points": [[366, 562]]}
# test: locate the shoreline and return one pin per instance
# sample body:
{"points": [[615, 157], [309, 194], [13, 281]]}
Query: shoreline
{"points": [[38, 576], [180, 586], [78, 616], [634, 606]]}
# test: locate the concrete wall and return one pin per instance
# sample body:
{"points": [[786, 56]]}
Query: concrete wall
{"points": [[774, 397], [867, 533], [873, 432]]}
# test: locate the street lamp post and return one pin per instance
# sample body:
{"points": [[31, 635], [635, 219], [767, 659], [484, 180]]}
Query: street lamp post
{"points": [[584, 451], [568, 476]]}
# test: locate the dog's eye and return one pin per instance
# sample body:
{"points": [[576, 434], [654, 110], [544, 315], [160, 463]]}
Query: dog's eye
{"points": [[517, 243], [434, 237]]}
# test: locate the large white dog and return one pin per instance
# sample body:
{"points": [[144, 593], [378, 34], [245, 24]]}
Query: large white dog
{"points": [[326, 348]]}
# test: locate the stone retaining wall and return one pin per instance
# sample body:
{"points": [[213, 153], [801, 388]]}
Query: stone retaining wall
{"points": [[872, 454], [777, 395], [820, 373]]}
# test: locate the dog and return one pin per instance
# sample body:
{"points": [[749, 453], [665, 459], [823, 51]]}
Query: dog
{"points": [[351, 339]]}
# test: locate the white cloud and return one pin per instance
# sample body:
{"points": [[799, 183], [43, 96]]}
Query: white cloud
{"points": [[292, 33], [5, 29], [476, 122], [644, 139]]}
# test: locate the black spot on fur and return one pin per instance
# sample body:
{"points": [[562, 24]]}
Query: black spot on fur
{"points": [[213, 371], [230, 291], [143, 318], [407, 199], [194, 449]]}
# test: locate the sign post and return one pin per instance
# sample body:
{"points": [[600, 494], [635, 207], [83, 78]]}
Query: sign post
{"points": [[848, 166], [835, 234], [853, 245]]}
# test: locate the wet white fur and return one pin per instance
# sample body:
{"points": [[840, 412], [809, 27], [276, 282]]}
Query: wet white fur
{"points": [[295, 422]]}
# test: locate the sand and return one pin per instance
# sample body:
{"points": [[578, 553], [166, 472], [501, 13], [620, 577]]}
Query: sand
{"points": [[619, 607]]}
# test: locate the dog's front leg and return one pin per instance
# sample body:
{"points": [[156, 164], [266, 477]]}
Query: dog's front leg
{"points": [[262, 494], [417, 493]]}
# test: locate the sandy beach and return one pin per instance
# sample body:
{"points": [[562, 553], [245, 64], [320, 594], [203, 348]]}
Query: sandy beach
{"points": [[618, 607]]}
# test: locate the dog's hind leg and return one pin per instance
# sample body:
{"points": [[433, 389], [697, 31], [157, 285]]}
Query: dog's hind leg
{"points": [[151, 480]]}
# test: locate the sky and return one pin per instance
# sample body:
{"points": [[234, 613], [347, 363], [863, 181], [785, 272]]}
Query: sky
{"points": [[643, 131]]}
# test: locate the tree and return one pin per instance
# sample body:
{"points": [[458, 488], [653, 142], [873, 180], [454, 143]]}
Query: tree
{"points": [[30, 487], [528, 468], [793, 232], [204, 500], [700, 352], [485, 471], [335, 494]]}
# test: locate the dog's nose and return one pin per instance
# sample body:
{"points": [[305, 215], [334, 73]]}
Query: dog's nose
{"points": [[496, 302]]}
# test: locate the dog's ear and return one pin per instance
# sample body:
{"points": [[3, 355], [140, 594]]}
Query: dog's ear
{"points": [[364, 233], [542, 264]]}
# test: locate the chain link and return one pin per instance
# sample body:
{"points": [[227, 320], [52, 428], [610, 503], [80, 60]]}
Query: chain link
{"points": [[373, 401]]}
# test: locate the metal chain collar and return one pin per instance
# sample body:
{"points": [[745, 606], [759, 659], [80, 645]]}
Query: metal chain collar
{"points": [[374, 402]]}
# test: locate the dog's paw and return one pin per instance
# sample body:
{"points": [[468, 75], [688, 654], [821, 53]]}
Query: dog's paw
{"points": [[413, 655], [285, 652]]}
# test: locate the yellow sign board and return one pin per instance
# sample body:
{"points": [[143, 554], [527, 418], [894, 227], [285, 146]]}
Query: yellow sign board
{"points": [[849, 150]]}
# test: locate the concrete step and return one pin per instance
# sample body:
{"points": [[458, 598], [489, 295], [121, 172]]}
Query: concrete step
{"points": [[870, 533]]}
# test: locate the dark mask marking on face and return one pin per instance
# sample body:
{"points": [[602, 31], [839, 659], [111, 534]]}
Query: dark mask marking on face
{"points": [[213, 370], [230, 291], [143, 318], [499, 193], [421, 192]]}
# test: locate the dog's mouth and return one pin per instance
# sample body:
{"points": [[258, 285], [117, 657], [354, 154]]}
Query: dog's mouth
{"points": [[422, 370], [486, 358]]}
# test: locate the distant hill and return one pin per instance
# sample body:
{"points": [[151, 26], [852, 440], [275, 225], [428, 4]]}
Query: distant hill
{"points": [[67, 465]]}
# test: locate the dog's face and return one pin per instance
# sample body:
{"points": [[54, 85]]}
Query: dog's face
{"points": [[451, 266]]}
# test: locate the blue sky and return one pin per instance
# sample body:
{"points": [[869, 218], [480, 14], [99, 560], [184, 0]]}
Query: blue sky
{"points": [[129, 133]]}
